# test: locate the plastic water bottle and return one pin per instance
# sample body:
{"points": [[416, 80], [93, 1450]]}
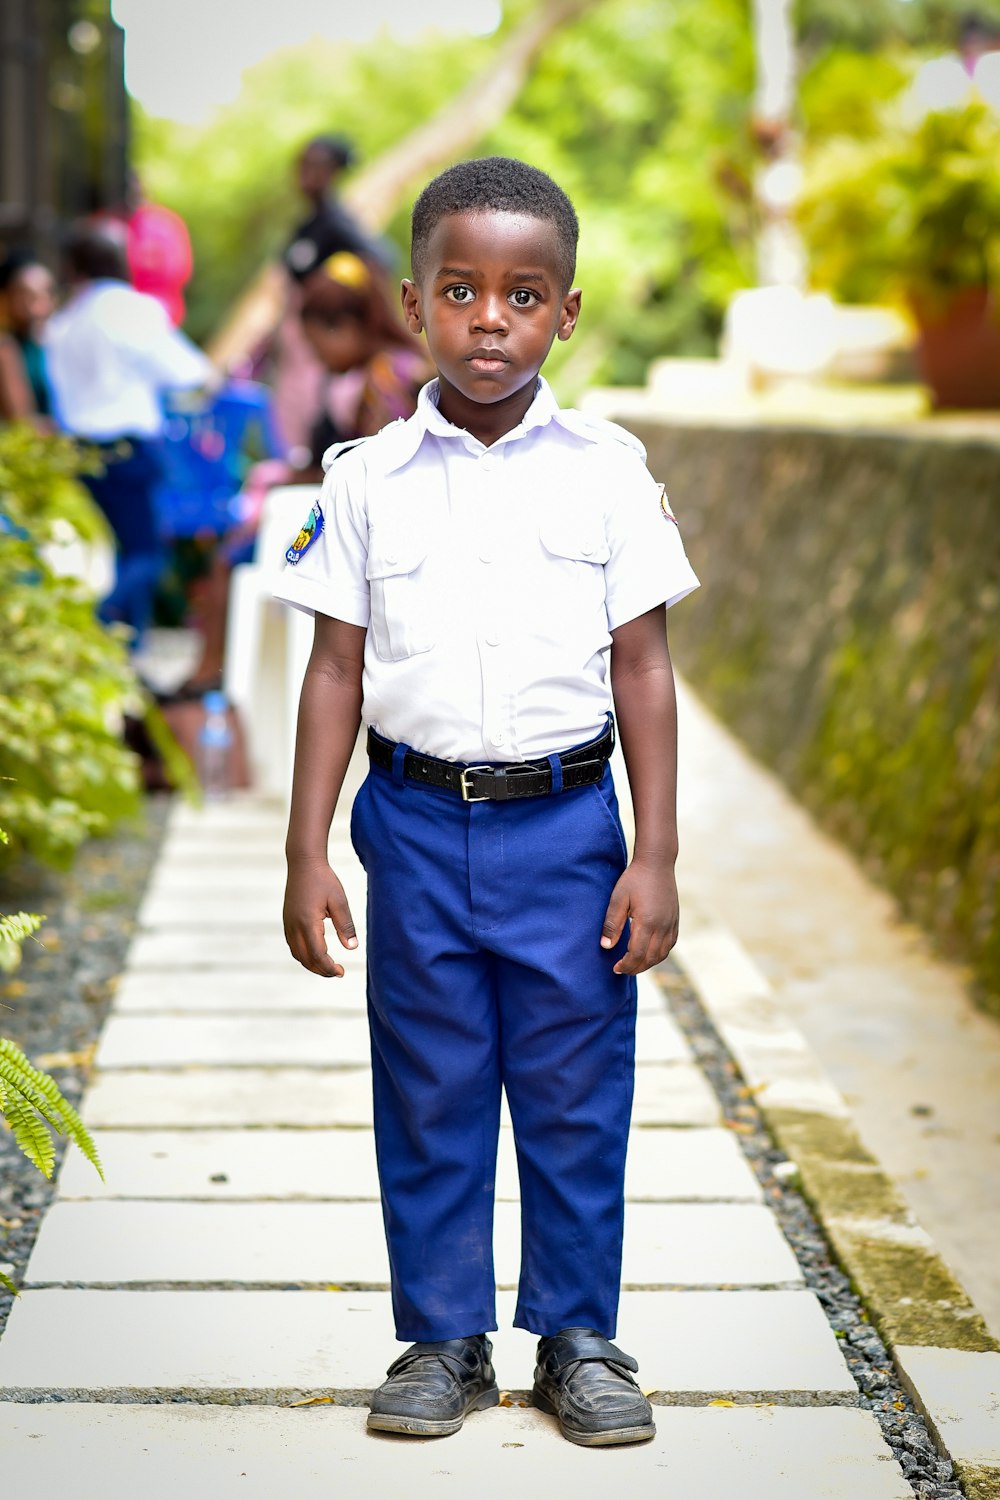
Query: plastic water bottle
{"points": [[215, 740]]}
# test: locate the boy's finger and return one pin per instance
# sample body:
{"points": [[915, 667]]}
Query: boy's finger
{"points": [[317, 957], [614, 919], [340, 915], [634, 959]]}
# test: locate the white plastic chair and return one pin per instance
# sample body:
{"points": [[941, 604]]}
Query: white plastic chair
{"points": [[268, 644]]}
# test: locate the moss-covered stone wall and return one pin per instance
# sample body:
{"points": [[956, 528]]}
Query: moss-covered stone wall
{"points": [[848, 630]]}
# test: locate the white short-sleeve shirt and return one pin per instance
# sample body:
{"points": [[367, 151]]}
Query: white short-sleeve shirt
{"points": [[490, 579]]}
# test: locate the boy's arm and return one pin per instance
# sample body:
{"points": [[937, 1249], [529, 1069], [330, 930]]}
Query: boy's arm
{"points": [[329, 718], [642, 681]]}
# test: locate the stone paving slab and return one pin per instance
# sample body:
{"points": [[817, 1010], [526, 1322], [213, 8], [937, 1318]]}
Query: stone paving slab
{"points": [[959, 1393], [329, 1041], [135, 1242], [682, 1165], [238, 989], [116, 1453], [676, 1094], [259, 1344], [292, 1041], [226, 948]]}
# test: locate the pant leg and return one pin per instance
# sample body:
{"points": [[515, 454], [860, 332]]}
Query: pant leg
{"points": [[126, 493], [436, 1080], [543, 871]]}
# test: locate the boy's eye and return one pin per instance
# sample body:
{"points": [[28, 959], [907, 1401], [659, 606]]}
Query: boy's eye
{"points": [[523, 297], [460, 293]]}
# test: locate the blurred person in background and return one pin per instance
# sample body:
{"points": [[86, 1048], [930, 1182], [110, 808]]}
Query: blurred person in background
{"points": [[156, 243], [28, 293], [373, 366], [158, 250], [372, 369], [327, 229], [112, 352]]}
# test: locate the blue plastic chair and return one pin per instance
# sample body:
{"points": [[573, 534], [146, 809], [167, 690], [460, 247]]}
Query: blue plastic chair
{"points": [[206, 452]]}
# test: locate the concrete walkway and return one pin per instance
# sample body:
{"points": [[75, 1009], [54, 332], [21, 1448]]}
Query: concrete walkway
{"points": [[233, 1264]]}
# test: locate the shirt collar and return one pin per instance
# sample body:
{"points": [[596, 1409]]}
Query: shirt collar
{"points": [[428, 419]]}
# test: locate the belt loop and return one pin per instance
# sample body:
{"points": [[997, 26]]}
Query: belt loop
{"points": [[398, 757], [555, 766]]}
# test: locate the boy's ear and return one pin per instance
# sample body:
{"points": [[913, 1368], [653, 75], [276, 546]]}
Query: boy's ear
{"points": [[568, 315], [411, 306]]}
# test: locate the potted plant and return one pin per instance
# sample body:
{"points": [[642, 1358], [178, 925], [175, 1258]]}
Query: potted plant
{"points": [[913, 213]]}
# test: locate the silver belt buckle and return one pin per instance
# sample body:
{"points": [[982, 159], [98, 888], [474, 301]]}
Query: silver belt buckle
{"points": [[466, 793]]}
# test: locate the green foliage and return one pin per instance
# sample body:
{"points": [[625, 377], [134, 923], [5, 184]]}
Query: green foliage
{"points": [[15, 930], [910, 209], [31, 1102], [64, 679]]}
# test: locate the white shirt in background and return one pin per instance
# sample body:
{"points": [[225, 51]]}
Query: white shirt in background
{"points": [[490, 578], [110, 352]]}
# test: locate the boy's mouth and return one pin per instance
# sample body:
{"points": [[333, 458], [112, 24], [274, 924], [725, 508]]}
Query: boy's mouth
{"points": [[487, 361]]}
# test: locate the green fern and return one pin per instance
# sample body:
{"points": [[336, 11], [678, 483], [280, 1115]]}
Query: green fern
{"points": [[14, 930], [26, 1094]]}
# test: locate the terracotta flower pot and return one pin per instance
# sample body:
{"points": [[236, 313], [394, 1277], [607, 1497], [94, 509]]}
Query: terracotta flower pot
{"points": [[958, 350]]}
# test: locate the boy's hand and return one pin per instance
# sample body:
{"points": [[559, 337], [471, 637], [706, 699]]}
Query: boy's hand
{"points": [[313, 893], [646, 892]]}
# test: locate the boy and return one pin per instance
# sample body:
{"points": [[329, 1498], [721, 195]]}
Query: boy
{"points": [[468, 570]]}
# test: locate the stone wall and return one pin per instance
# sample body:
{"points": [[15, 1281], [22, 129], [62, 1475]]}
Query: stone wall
{"points": [[848, 630]]}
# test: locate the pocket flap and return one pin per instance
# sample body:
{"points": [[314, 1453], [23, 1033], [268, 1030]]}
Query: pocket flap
{"points": [[390, 554], [575, 537]]}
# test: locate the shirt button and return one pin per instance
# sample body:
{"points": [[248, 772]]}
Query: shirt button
{"points": [[492, 638], [498, 738], [485, 557]]}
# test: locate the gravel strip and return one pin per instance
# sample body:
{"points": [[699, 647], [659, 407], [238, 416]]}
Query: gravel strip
{"points": [[54, 1005], [929, 1473]]}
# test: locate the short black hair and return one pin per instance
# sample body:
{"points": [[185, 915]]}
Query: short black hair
{"points": [[499, 184], [14, 263], [339, 151], [94, 253]]}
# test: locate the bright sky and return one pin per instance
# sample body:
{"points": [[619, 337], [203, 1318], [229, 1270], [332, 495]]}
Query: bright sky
{"points": [[185, 57]]}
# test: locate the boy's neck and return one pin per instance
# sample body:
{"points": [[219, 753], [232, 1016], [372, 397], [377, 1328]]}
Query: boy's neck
{"points": [[487, 421]]}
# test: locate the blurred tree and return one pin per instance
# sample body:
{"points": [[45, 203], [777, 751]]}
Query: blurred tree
{"points": [[641, 114]]}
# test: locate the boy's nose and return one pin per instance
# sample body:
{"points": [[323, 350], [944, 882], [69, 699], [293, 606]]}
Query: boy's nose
{"points": [[491, 315]]}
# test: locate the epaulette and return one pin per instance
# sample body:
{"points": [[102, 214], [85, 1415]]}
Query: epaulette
{"points": [[337, 450], [598, 429]]}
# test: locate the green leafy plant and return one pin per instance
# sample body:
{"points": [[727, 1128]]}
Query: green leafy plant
{"points": [[65, 681], [30, 1100], [911, 211]]}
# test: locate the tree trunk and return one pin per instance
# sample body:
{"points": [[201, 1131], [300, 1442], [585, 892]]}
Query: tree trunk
{"points": [[780, 255], [377, 189]]}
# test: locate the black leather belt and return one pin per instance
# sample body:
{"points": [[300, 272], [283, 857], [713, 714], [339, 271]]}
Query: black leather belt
{"points": [[583, 766]]}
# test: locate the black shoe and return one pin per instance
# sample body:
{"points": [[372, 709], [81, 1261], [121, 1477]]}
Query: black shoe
{"points": [[432, 1387], [584, 1380]]}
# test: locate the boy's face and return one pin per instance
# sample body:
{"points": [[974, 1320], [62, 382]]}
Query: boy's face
{"points": [[490, 301]]}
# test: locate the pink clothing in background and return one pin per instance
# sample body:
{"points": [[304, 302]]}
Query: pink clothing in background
{"points": [[159, 256]]}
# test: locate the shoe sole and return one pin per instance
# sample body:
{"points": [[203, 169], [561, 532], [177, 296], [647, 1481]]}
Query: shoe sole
{"points": [[609, 1437], [380, 1421]]}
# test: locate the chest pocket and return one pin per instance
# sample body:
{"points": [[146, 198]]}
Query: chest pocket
{"points": [[402, 612], [576, 538]]}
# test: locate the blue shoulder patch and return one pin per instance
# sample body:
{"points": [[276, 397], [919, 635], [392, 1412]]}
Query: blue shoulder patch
{"points": [[311, 531]]}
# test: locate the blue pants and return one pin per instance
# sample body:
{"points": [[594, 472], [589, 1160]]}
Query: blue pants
{"points": [[485, 970], [126, 493]]}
